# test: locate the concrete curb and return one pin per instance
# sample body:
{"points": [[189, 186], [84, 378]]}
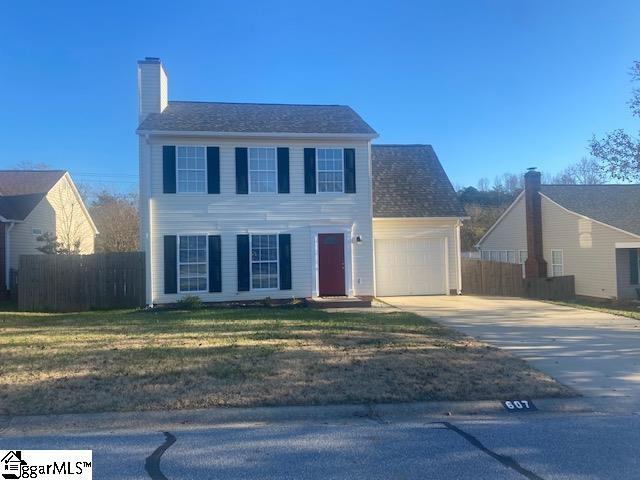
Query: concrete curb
{"points": [[232, 417]]}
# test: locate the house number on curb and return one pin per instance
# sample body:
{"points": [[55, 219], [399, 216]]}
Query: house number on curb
{"points": [[519, 405]]}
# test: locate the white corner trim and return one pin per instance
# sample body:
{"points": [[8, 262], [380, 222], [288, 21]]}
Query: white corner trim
{"points": [[459, 258], [589, 218], [7, 255], [500, 218], [627, 244]]}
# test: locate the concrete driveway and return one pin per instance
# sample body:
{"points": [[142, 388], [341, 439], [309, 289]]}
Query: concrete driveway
{"points": [[596, 353]]}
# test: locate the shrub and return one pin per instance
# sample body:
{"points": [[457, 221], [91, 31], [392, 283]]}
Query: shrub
{"points": [[190, 302]]}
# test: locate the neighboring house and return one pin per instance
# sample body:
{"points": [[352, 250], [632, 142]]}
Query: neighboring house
{"points": [[36, 202], [247, 201], [589, 231]]}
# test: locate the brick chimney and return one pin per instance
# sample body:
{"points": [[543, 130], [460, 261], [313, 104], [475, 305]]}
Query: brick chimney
{"points": [[153, 87], [535, 266]]}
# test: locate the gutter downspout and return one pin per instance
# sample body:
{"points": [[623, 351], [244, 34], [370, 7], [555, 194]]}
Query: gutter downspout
{"points": [[459, 256], [7, 255]]}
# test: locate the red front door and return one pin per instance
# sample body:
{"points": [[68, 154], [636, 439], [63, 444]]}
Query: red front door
{"points": [[331, 264]]}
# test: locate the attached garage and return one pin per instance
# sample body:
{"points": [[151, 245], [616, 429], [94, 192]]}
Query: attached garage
{"points": [[416, 223], [411, 266]]}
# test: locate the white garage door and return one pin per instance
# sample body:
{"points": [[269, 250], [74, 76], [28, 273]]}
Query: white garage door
{"points": [[410, 266]]}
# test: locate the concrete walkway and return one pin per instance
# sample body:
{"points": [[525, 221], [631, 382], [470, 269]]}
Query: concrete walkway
{"points": [[596, 353]]}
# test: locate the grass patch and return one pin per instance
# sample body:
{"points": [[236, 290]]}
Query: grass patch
{"points": [[624, 310], [135, 360]]}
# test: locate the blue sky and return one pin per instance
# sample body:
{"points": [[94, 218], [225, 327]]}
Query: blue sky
{"points": [[494, 86]]}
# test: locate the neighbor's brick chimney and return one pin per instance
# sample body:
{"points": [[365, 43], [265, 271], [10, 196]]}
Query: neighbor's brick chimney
{"points": [[535, 265]]}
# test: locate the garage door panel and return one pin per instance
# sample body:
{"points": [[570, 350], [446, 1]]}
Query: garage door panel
{"points": [[410, 266]]}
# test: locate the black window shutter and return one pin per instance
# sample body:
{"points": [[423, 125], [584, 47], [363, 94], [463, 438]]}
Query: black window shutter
{"points": [[349, 170], [633, 266], [215, 264], [309, 170], [283, 170], [242, 171], [243, 263], [285, 261], [169, 169], [213, 170], [170, 264]]}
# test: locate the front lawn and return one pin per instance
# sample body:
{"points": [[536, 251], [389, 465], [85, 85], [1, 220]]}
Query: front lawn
{"points": [[134, 360], [624, 310]]}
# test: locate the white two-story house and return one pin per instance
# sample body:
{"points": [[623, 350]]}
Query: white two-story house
{"points": [[243, 201]]}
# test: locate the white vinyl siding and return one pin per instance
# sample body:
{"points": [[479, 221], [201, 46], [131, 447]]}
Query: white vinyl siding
{"points": [[191, 169], [229, 215], [192, 263], [330, 170], [59, 213], [264, 261], [557, 263], [263, 170]]}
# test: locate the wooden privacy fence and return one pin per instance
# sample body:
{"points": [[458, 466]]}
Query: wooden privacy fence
{"points": [[65, 283], [481, 277]]}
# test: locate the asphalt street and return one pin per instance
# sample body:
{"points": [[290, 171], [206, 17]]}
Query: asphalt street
{"points": [[501, 446]]}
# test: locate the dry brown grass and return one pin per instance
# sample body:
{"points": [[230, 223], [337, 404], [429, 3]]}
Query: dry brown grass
{"points": [[128, 360]]}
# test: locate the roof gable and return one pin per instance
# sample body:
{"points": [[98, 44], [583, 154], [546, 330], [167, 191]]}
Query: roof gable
{"points": [[409, 181], [257, 118], [22, 190], [614, 205]]}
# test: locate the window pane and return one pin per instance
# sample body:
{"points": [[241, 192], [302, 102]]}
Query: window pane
{"points": [[191, 171], [264, 261], [556, 256], [330, 171], [192, 259]]}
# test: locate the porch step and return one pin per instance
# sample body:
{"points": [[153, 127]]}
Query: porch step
{"points": [[340, 302]]}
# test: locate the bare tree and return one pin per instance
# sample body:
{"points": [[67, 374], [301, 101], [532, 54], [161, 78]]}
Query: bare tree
{"points": [[29, 165], [483, 184], [618, 150], [587, 171], [116, 217]]}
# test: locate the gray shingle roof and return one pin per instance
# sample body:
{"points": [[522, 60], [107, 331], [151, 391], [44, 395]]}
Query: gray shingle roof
{"points": [[408, 181], [22, 190], [23, 182], [17, 207], [615, 205], [256, 118]]}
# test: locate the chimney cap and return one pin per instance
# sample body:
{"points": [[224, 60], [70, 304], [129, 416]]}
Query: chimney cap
{"points": [[531, 169], [150, 60]]}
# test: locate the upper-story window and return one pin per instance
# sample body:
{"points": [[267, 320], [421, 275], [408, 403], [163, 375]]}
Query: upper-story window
{"points": [[263, 170], [191, 169], [330, 166]]}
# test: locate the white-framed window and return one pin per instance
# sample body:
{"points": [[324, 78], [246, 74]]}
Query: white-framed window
{"points": [[193, 263], [36, 232], [485, 255], [264, 261], [263, 170], [511, 256], [330, 169], [191, 169], [557, 263]]}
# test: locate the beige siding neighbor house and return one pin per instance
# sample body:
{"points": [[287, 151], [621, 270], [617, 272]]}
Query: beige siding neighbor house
{"points": [[589, 231], [245, 201], [33, 203]]}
